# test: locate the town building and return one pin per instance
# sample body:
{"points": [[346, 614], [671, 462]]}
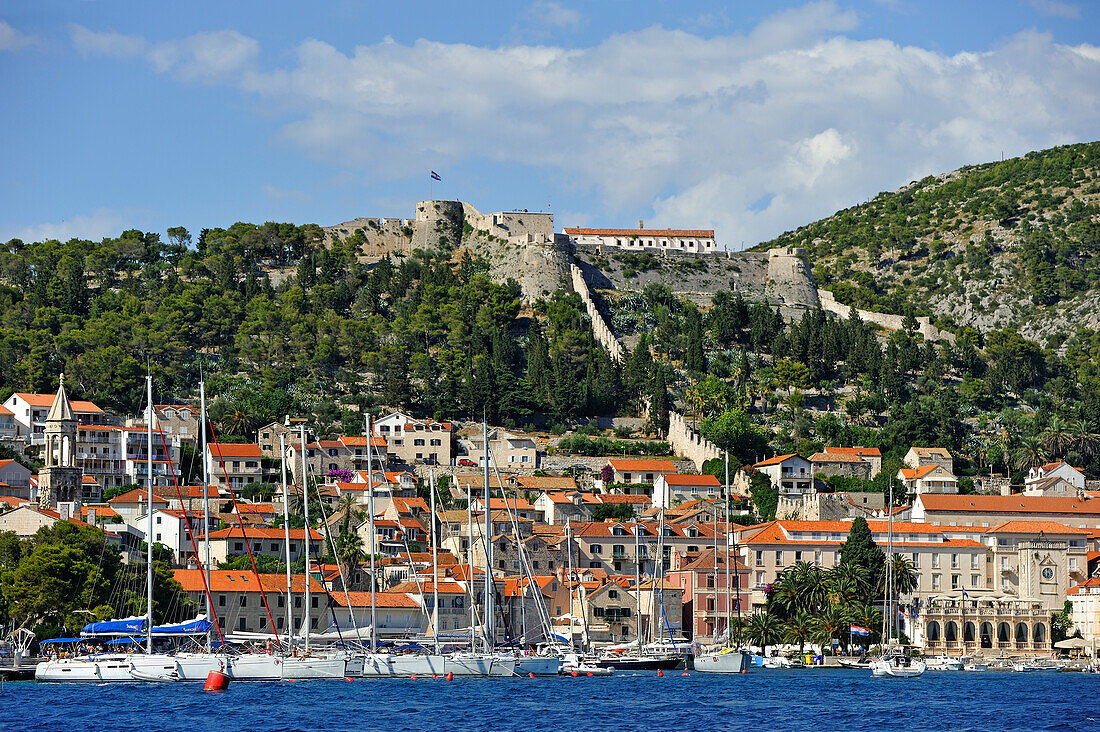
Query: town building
{"points": [[988, 511], [413, 440], [1054, 479], [29, 413], [671, 489], [918, 457], [636, 475], [238, 597], [789, 474], [397, 615], [695, 241], [555, 508], [15, 479], [508, 451], [9, 429], [1084, 599], [846, 465], [931, 478], [227, 544], [712, 597], [870, 455], [267, 437], [234, 465]]}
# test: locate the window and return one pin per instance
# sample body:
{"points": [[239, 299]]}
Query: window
{"points": [[274, 547], [779, 558], [759, 579], [263, 622], [436, 443], [158, 519], [797, 556], [418, 443], [1073, 564], [975, 580], [597, 548], [954, 561], [956, 581], [974, 561], [935, 581], [916, 560], [759, 559], [613, 594], [935, 561], [242, 600], [282, 601], [221, 600], [241, 624]]}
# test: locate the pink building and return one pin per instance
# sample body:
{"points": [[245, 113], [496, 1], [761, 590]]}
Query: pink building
{"points": [[704, 609]]}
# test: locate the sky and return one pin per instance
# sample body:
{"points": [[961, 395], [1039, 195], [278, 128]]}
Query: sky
{"points": [[748, 117]]}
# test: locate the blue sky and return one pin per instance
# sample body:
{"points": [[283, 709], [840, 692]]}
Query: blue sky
{"points": [[750, 117]]}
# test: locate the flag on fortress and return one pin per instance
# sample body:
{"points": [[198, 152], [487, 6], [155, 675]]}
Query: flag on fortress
{"points": [[435, 176], [860, 630]]}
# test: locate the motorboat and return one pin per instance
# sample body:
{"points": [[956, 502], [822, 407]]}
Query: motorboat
{"points": [[777, 662], [537, 665], [896, 664], [943, 663], [726, 661], [863, 662]]}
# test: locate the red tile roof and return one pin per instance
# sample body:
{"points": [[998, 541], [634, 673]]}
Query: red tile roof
{"points": [[234, 532], [1009, 504], [46, 400], [692, 479], [915, 473], [775, 460], [1034, 527], [858, 451], [233, 450], [655, 466], [693, 233], [381, 599], [231, 580]]}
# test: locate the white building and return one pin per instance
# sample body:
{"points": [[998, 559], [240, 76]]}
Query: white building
{"points": [[1058, 478], [1085, 600], [670, 490], [641, 239], [789, 474], [29, 412]]}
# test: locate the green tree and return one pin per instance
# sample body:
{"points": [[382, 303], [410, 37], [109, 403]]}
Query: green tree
{"points": [[860, 550]]}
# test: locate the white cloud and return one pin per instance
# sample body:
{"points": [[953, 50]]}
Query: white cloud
{"points": [[211, 56], [1056, 9], [553, 14], [98, 225], [285, 194], [11, 39], [695, 129]]}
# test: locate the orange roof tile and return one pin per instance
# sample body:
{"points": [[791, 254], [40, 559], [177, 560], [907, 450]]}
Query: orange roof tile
{"points": [[234, 450], [1009, 504], [230, 580], [381, 599], [46, 400], [234, 532], [692, 479], [693, 233], [1034, 527], [775, 460], [858, 451], [655, 466]]}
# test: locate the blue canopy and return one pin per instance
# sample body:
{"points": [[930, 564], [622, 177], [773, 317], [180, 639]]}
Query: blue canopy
{"points": [[198, 626], [121, 641], [409, 647], [559, 638], [61, 640], [127, 626]]}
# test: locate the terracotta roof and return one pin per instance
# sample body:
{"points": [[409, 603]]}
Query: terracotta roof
{"points": [[381, 599], [1034, 527], [656, 466], [692, 479], [5, 410], [1076, 589], [14, 502], [232, 580], [835, 457], [547, 482], [46, 400], [1009, 504], [693, 233], [445, 586], [232, 450], [623, 498], [931, 451], [255, 508], [858, 451], [140, 495], [915, 473], [376, 441], [234, 532], [775, 460]]}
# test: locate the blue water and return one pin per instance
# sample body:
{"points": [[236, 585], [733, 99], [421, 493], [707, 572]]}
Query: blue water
{"points": [[761, 700]]}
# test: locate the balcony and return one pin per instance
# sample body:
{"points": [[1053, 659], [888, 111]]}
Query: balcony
{"points": [[619, 555]]}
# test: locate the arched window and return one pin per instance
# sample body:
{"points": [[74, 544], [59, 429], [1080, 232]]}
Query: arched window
{"points": [[952, 633], [1004, 633], [987, 635], [1040, 633], [933, 631], [1021, 632], [969, 632]]}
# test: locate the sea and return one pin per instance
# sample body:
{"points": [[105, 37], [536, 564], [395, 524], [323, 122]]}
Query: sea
{"points": [[768, 699]]}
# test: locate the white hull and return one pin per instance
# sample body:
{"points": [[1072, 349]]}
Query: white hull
{"points": [[944, 663], [733, 662], [114, 668], [386, 665], [106, 668], [478, 665], [888, 668], [538, 665]]}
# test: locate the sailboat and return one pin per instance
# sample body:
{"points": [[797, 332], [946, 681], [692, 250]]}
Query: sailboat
{"points": [[892, 661], [112, 667], [727, 659]]}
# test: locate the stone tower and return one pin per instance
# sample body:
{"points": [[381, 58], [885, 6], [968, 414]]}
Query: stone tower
{"points": [[60, 478]]}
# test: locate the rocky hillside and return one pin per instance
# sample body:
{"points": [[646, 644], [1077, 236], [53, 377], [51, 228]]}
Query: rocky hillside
{"points": [[1008, 244]]}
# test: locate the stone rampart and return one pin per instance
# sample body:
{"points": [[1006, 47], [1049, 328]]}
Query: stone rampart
{"points": [[789, 280], [687, 442], [886, 320], [603, 334]]}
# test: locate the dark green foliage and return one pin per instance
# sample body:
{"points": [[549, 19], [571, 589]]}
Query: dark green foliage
{"points": [[860, 550], [585, 445], [614, 511]]}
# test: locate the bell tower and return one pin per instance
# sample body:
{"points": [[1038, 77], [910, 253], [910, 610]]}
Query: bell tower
{"points": [[60, 479]]}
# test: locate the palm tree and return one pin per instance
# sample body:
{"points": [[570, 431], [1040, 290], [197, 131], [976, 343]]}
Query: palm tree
{"points": [[1029, 453], [800, 629], [846, 583], [1057, 438], [764, 629], [1085, 438], [809, 584], [831, 623], [784, 596], [905, 576], [867, 614]]}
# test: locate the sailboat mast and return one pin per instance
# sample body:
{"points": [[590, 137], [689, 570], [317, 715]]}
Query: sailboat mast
{"points": [[205, 508], [490, 634], [305, 515], [373, 542], [470, 556], [149, 529], [435, 563], [569, 578], [286, 536], [638, 583]]}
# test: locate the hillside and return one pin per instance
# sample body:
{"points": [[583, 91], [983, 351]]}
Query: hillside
{"points": [[1012, 244]]}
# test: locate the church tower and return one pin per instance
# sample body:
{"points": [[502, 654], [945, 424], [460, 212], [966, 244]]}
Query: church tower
{"points": [[60, 479]]}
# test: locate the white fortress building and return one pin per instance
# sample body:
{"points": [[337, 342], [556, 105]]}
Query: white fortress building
{"points": [[694, 241]]}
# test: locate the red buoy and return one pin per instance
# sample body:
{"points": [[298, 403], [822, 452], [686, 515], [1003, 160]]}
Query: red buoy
{"points": [[744, 670], [574, 674], [450, 676], [530, 675], [216, 681], [413, 677], [434, 676], [685, 674], [660, 672], [347, 678], [591, 674]]}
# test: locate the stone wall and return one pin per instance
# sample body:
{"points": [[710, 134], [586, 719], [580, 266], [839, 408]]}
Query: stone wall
{"points": [[789, 280], [687, 442], [886, 320], [603, 334]]}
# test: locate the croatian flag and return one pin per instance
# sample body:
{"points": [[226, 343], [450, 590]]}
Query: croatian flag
{"points": [[435, 176], [860, 630]]}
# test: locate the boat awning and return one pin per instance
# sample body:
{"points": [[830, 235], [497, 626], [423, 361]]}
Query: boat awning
{"points": [[198, 626], [126, 626], [61, 640], [121, 641]]}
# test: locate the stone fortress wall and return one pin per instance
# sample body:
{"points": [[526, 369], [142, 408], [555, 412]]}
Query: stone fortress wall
{"points": [[600, 331], [885, 320], [687, 442]]}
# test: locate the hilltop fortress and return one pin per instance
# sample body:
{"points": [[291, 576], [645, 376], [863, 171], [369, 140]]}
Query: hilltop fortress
{"points": [[524, 246]]}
